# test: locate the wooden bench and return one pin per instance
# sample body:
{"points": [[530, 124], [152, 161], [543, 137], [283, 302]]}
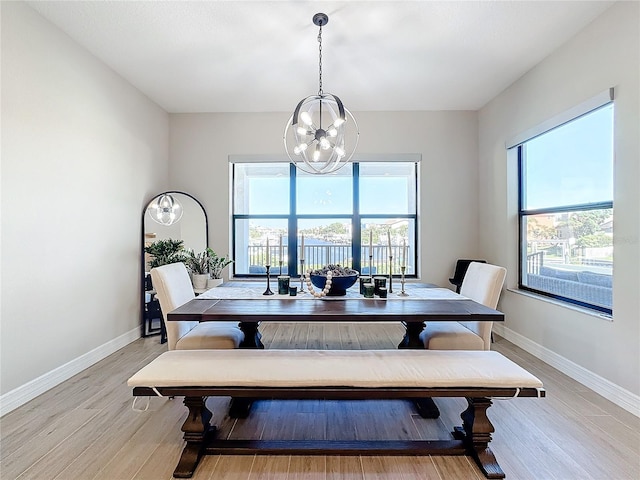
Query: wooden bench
{"points": [[336, 374]]}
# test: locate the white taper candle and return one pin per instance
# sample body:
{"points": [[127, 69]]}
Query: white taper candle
{"points": [[268, 256]]}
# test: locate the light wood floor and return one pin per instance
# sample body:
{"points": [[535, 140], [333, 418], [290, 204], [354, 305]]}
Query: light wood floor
{"points": [[86, 429]]}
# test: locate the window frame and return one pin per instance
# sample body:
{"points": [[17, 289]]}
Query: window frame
{"points": [[588, 107], [356, 217]]}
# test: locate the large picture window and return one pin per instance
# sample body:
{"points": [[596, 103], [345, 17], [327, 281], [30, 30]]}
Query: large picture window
{"points": [[363, 216], [566, 211]]}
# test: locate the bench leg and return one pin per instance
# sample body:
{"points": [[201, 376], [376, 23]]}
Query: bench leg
{"points": [[196, 430], [476, 431]]}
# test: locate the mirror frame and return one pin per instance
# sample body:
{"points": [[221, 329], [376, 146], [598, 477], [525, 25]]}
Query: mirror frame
{"points": [[143, 328]]}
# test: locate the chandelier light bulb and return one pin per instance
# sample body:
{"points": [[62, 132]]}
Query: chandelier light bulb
{"points": [[300, 148], [306, 118]]}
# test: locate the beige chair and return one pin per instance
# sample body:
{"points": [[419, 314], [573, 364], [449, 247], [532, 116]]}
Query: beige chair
{"points": [[482, 283], [173, 287]]}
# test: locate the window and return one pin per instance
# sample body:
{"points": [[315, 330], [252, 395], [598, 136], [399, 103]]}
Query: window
{"points": [[566, 210], [358, 216]]}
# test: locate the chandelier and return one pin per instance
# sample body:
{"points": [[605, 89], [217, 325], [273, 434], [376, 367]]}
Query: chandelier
{"points": [[321, 135], [165, 210]]}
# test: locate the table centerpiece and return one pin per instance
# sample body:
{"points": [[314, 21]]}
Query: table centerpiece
{"points": [[333, 280]]}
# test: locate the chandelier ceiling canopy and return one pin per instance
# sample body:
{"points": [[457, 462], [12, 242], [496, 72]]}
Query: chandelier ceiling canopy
{"points": [[322, 135]]}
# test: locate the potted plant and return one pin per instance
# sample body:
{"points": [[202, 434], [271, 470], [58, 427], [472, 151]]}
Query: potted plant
{"points": [[216, 265], [165, 251], [198, 263]]}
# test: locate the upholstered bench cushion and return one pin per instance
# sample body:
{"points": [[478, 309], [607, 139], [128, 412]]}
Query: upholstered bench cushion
{"points": [[333, 368], [217, 335]]}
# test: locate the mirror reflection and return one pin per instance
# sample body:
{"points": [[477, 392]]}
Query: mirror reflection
{"points": [[169, 217], [190, 227]]}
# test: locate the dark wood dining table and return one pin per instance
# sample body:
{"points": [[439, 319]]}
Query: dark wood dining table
{"points": [[412, 311]]}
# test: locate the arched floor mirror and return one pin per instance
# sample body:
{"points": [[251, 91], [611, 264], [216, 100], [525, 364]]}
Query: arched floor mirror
{"points": [[170, 215]]}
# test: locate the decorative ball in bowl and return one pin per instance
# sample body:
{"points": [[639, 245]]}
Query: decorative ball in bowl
{"points": [[341, 279]]}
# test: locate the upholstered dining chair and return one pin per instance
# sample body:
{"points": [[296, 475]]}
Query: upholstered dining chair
{"points": [[173, 289], [482, 283], [461, 269]]}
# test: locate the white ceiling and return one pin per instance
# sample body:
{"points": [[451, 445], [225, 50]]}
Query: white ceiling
{"points": [[260, 56]]}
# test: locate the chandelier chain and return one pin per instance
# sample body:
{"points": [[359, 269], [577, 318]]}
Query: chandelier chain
{"points": [[320, 61]]}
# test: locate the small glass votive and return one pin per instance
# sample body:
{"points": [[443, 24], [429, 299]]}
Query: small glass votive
{"points": [[283, 284], [363, 280], [382, 292], [293, 291], [368, 290], [379, 282]]}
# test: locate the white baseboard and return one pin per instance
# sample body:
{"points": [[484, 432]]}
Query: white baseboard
{"points": [[21, 395], [609, 390]]}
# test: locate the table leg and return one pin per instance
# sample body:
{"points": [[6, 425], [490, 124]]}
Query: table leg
{"points": [[425, 407], [241, 407], [412, 335], [252, 335]]}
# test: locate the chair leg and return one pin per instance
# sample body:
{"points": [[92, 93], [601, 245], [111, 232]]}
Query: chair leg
{"points": [[163, 332]]}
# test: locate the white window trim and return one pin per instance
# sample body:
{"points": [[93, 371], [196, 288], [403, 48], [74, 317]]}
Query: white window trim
{"points": [[357, 158], [585, 107]]}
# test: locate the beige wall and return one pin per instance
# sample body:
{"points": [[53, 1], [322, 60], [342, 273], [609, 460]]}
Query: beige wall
{"points": [[605, 54], [82, 151], [447, 142]]}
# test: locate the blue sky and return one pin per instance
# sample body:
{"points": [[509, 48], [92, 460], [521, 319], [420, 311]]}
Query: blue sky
{"points": [[330, 194], [573, 163]]}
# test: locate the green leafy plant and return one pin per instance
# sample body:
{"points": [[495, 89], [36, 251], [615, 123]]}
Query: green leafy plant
{"points": [[217, 264], [165, 251], [198, 263]]}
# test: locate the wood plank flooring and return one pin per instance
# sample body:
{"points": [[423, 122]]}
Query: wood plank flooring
{"points": [[85, 428]]}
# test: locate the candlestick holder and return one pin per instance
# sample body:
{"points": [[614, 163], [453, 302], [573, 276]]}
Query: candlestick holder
{"points": [[390, 273], [268, 290], [370, 269], [302, 290], [402, 292], [280, 269]]}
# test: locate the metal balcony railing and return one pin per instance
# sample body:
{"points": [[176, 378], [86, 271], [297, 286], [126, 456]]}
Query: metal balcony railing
{"points": [[317, 256]]}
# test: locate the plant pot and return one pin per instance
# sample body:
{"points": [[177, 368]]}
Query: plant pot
{"points": [[214, 282], [199, 280]]}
